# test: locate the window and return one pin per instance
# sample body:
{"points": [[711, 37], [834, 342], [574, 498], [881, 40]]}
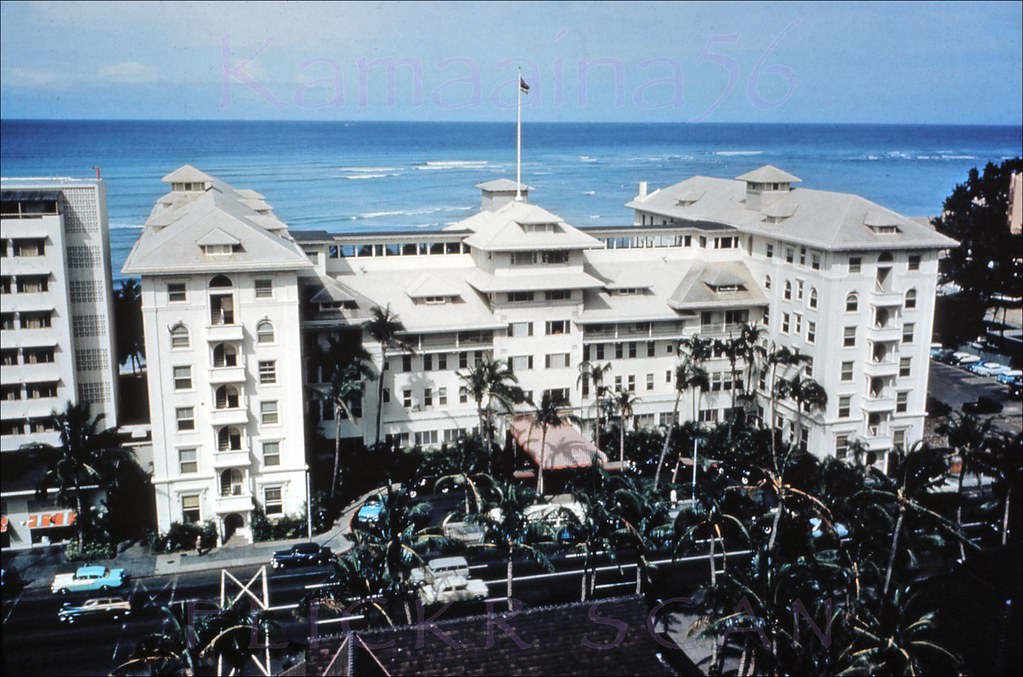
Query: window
{"points": [[442, 396], [901, 402], [268, 372], [190, 513], [911, 299], [37, 355], [855, 264], [520, 362], [914, 262], [708, 415], [667, 376], [785, 323], [849, 337], [427, 397], [556, 360], [852, 303], [268, 412], [767, 282], [520, 296], [769, 250], [841, 446], [40, 320], [33, 284], [188, 462], [811, 332], [6, 321], [813, 297], [442, 361], [808, 368], [273, 501], [847, 371], [632, 349], [523, 258], [649, 381], [905, 366], [907, 332], [650, 349], [177, 292], [790, 254], [185, 417], [632, 383], [555, 327], [264, 289], [225, 355], [797, 324], [844, 405], [406, 399], [802, 256], [558, 295], [463, 395], [555, 256], [265, 332], [183, 378], [799, 290], [179, 336], [427, 362], [426, 437], [406, 363], [520, 329], [271, 453], [788, 291], [10, 392], [815, 261]]}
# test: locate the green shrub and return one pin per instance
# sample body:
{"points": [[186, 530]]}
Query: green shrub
{"points": [[91, 550], [182, 537]]}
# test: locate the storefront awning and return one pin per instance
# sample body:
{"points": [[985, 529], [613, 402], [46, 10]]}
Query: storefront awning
{"points": [[565, 446]]}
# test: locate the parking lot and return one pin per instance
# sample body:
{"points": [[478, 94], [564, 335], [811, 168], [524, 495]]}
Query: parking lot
{"points": [[955, 386]]}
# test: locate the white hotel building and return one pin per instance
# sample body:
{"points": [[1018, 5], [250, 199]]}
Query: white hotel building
{"points": [[56, 333], [845, 281]]}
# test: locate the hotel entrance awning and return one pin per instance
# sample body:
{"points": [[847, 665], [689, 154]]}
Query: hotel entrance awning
{"points": [[565, 446]]}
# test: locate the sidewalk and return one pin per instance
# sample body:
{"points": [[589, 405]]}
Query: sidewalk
{"points": [[38, 566]]}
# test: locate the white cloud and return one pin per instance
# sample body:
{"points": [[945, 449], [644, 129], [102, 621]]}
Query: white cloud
{"points": [[30, 77], [129, 72]]}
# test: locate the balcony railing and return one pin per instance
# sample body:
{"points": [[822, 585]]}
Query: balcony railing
{"points": [[235, 458]]}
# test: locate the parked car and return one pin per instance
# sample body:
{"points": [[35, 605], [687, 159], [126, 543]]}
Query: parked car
{"points": [[936, 348], [447, 579], [88, 578], [988, 368], [942, 355], [301, 554], [111, 608], [1007, 377], [962, 359], [983, 405], [368, 514], [1016, 389]]}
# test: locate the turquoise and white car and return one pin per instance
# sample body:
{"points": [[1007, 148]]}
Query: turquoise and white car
{"points": [[88, 578]]}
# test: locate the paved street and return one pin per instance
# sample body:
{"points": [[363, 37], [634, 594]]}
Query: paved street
{"points": [[955, 386]]}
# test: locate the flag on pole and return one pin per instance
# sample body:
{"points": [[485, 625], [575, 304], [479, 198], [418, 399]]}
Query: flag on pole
{"points": [[523, 87]]}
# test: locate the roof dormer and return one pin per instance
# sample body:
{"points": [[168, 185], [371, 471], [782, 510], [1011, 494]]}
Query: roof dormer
{"points": [[765, 185], [188, 179]]}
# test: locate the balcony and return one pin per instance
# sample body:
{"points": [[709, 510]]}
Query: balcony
{"points": [[881, 402], [216, 333], [885, 297], [234, 458], [221, 375], [31, 373], [890, 331], [883, 367], [235, 503], [20, 338], [230, 416], [29, 265]]}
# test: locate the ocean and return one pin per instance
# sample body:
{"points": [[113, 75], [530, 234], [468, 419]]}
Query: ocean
{"points": [[380, 176]]}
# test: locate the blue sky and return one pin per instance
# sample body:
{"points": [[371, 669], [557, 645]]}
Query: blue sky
{"points": [[587, 61]]}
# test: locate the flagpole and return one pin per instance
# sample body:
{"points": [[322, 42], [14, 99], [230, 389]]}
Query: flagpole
{"points": [[518, 138]]}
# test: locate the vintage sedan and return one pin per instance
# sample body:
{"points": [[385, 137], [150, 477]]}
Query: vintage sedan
{"points": [[88, 578], [301, 554], [99, 608]]}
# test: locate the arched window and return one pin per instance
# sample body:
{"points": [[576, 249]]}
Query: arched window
{"points": [[788, 290], [813, 297], [229, 439], [179, 336], [767, 282], [885, 257], [231, 482], [911, 299], [265, 332], [221, 282], [852, 302], [227, 397], [225, 355]]}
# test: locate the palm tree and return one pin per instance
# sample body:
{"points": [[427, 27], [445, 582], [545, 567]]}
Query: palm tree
{"points": [[967, 436], [547, 415], [131, 345], [754, 354], [350, 369], [808, 396], [624, 404], [733, 348], [687, 375], [779, 356], [383, 327], [86, 453], [489, 382], [506, 526], [698, 350], [594, 373]]}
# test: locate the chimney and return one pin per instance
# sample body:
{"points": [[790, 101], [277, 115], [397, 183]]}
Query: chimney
{"points": [[642, 190]]}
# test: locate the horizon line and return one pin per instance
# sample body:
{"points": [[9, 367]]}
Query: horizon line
{"points": [[501, 122]]}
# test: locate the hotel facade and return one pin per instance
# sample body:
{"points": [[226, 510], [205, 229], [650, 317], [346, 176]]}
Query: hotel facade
{"points": [[56, 334], [238, 309]]}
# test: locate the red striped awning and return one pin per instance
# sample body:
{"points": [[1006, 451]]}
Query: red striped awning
{"points": [[50, 520], [565, 446]]}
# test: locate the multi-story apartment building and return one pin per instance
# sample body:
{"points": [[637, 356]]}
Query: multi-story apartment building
{"points": [[56, 333], [845, 281], [224, 354]]}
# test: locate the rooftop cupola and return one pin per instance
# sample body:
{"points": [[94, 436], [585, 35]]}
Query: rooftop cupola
{"points": [[499, 192], [765, 185], [188, 179]]}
